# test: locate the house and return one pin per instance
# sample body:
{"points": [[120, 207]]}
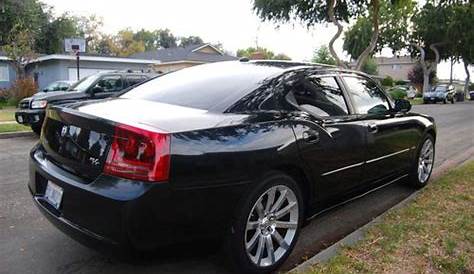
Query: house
{"points": [[396, 67], [7, 72], [171, 59], [54, 67]]}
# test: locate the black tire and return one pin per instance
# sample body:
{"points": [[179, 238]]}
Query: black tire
{"points": [[444, 101], [235, 246], [36, 129], [452, 100], [414, 178]]}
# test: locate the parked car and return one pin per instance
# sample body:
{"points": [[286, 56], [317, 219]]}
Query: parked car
{"points": [[31, 110], [58, 86], [243, 151], [471, 95], [440, 93]]}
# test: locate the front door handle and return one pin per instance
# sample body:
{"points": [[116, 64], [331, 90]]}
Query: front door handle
{"points": [[311, 136], [373, 128]]}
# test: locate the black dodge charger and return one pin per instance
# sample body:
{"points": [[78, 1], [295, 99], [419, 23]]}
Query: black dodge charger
{"points": [[240, 151]]}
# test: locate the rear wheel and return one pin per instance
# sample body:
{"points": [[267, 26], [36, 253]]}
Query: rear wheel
{"points": [[423, 165], [266, 226]]}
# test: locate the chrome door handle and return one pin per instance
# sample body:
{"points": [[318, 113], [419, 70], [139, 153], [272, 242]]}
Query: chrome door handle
{"points": [[373, 128], [311, 136]]}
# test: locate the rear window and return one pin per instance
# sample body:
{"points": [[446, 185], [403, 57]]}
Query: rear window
{"points": [[204, 86]]}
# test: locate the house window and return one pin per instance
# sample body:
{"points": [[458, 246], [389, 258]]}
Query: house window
{"points": [[4, 73], [396, 67]]}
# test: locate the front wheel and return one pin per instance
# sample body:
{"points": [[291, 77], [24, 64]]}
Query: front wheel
{"points": [[266, 226], [423, 166]]}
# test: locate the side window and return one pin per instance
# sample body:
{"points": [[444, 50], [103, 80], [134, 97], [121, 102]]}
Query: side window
{"points": [[366, 96], [320, 96], [110, 83], [135, 79]]}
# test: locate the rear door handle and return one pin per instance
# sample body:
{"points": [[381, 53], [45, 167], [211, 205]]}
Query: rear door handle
{"points": [[373, 128], [311, 136]]}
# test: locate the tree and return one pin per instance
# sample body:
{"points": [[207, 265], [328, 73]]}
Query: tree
{"points": [[370, 67], [89, 28], [282, 56], [323, 56], [415, 75], [167, 39], [190, 40], [19, 49], [125, 45], [51, 38], [393, 29], [312, 12]]}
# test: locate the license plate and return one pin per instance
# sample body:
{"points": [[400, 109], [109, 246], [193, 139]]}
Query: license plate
{"points": [[20, 119], [53, 194]]}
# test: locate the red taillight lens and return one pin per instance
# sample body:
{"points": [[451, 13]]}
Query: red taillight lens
{"points": [[138, 154]]}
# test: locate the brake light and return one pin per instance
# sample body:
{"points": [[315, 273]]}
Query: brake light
{"points": [[138, 154]]}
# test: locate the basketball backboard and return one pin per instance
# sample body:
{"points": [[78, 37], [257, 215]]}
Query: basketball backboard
{"points": [[74, 45]]}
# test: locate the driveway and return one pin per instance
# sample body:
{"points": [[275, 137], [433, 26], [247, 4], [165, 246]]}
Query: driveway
{"points": [[29, 244]]}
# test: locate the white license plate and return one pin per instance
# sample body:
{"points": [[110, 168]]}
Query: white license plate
{"points": [[20, 119], [53, 194]]}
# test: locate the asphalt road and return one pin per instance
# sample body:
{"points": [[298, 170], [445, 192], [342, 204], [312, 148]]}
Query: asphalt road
{"points": [[30, 244]]}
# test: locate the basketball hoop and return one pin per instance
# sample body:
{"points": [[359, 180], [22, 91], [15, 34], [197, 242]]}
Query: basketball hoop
{"points": [[74, 46]]}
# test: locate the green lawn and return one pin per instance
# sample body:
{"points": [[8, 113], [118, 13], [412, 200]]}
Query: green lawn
{"points": [[433, 234], [13, 127], [416, 101], [7, 114]]}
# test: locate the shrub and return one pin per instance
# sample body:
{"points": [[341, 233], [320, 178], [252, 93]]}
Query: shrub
{"points": [[400, 82], [20, 89], [397, 93], [387, 81]]}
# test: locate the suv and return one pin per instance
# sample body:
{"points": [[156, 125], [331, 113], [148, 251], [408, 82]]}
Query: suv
{"points": [[98, 86], [440, 93]]}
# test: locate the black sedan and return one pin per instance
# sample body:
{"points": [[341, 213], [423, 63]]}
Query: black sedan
{"points": [[240, 151]]}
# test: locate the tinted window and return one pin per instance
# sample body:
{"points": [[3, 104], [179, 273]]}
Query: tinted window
{"points": [[367, 97], [204, 86], [320, 96], [110, 83]]}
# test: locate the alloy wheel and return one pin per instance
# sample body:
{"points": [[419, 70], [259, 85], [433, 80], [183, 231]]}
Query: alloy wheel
{"points": [[425, 161], [271, 226]]}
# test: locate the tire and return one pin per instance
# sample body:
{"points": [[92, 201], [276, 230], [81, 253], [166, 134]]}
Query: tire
{"points": [[421, 170], [444, 101], [452, 100], [36, 129], [254, 232]]}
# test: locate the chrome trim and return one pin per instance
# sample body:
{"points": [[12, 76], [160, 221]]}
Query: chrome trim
{"points": [[367, 162], [387, 156], [342, 168]]}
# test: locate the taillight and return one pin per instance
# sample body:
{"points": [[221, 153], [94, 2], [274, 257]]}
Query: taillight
{"points": [[138, 154]]}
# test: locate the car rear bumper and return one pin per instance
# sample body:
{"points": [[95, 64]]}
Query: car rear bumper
{"points": [[120, 214], [31, 117]]}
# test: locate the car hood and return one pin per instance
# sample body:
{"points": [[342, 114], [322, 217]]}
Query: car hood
{"points": [[58, 95], [160, 116]]}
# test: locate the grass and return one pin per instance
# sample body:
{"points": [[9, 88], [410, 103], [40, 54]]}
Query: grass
{"points": [[13, 128], [7, 114], [434, 234], [416, 101]]}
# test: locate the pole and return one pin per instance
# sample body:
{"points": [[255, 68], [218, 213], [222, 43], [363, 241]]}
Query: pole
{"points": [[77, 65], [451, 72]]}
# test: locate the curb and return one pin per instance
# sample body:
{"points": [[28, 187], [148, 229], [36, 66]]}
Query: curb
{"points": [[359, 233], [16, 134]]}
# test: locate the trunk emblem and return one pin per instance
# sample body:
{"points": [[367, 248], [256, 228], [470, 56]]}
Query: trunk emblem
{"points": [[94, 161]]}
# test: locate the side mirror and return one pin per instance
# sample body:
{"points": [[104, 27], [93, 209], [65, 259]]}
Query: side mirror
{"points": [[45, 90], [402, 105]]}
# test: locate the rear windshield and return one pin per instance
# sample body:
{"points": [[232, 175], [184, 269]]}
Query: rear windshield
{"points": [[204, 86], [440, 88]]}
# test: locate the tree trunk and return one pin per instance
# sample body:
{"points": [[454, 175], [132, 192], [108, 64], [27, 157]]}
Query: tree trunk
{"points": [[424, 66], [468, 77], [332, 18], [375, 36]]}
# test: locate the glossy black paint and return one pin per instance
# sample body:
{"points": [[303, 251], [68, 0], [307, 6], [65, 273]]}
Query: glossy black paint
{"points": [[216, 158]]}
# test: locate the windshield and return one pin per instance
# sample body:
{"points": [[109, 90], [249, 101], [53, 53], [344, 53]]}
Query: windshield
{"points": [[203, 86], [440, 89], [84, 83]]}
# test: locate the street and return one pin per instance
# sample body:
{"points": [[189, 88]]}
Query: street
{"points": [[30, 244]]}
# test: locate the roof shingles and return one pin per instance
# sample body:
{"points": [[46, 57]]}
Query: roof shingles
{"points": [[182, 54]]}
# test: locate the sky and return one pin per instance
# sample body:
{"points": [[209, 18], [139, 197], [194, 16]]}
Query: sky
{"points": [[230, 22]]}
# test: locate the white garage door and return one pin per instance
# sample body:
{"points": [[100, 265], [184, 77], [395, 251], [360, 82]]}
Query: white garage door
{"points": [[83, 72]]}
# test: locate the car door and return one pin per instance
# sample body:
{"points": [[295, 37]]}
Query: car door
{"points": [[390, 136], [108, 86], [330, 139]]}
